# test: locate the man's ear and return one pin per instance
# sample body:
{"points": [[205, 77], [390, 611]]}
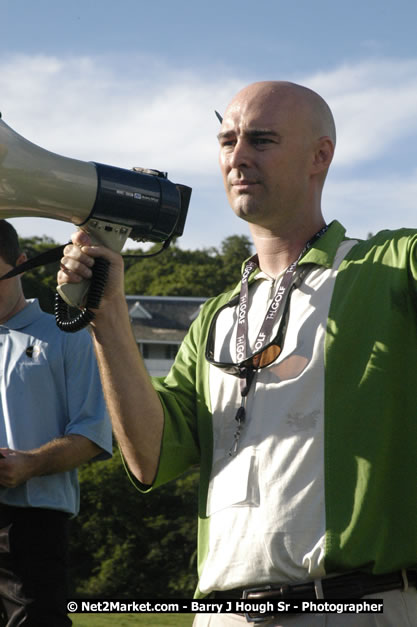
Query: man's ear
{"points": [[21, 259], [323, 155]]}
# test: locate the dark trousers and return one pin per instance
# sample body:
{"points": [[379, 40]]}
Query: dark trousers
{"points": [[33, 567]]}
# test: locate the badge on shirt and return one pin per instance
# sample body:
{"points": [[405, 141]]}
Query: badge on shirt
{"points": [[33, 352]]}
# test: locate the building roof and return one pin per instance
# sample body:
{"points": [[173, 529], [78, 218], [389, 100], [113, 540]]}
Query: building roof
{"points": [[162, 319]]}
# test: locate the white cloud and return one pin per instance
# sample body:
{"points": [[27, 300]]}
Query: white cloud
{"points": [[374, 104], [372, 204], [87, 109]]}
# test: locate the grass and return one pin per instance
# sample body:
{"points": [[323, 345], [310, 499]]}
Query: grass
{"points": [[129, 620]]}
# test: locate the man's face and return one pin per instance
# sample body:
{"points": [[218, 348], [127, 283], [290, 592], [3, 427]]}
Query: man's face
{"points": [[11, 295], [266, 152]]}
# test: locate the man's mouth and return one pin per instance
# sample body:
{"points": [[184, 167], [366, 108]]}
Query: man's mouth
{"points": [[242, 185]]}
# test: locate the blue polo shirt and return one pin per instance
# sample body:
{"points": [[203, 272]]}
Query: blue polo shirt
{"points": [[49, 387]]}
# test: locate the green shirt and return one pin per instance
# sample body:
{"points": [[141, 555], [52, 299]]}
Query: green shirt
{"points": [[370, 400]]}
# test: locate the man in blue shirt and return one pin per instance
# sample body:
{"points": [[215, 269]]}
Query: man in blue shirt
{"points": [[52, 419]]}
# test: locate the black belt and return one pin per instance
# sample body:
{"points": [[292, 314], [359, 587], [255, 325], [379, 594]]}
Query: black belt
{"points": [[352, 585]]}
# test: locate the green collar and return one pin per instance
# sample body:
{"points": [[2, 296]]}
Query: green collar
{"points": [[324, 250]]}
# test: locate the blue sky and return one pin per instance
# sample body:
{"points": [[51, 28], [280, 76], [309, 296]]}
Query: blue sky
{"points": [[135, 83]]}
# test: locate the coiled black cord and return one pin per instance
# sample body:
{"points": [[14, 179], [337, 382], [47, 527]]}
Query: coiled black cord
{"points": [[84, 317]]}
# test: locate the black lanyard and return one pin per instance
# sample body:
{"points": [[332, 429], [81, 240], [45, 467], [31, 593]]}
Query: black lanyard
{"points": [[265, 332], [274, 308]]}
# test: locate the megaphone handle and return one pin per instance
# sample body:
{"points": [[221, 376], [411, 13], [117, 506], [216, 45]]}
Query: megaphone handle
{"points": [[88, 293], [101, 233], [63, 317]]}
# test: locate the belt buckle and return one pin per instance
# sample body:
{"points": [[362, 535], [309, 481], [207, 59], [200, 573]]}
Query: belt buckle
{"points": [[250, 618]]}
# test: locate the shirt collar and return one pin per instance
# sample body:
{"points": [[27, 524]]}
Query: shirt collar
{"points": [[322, 253], [25, 316]]}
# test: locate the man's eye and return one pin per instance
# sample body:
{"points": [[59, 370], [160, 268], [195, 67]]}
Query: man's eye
{"points": [[259, 141], [226, 143]]}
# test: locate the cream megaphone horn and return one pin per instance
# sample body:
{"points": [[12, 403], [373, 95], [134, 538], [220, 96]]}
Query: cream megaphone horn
{"points": [[109, 203]]}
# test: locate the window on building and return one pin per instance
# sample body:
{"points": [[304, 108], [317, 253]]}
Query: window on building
{"points": [[158, 351], [171, 351]]}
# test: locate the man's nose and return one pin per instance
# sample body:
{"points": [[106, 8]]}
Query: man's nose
{"points": [[240, 155]]}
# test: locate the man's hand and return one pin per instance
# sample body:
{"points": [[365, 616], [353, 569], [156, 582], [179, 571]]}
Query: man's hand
{"points": [[16, 467], [56, 456], [78, 261]]}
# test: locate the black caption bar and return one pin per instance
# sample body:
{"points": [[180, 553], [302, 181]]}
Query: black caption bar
{"points": [[249, 607]]}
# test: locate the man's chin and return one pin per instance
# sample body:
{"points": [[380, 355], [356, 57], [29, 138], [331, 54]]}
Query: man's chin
{"points": [[247, 211]]}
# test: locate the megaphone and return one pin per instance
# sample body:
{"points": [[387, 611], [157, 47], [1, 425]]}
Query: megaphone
{"points": [[109, 203]]}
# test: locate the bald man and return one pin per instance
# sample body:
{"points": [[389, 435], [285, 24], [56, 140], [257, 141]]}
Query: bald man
{"points": [[294, 392]]}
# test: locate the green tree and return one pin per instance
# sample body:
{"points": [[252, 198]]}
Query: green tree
{"points": [[178, 272], [40, 282], [233, 251], [235, 247], [175, 272], [126, 544]]}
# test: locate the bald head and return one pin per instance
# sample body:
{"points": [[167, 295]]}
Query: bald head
{"points": [[299, 101], [276, 145]]}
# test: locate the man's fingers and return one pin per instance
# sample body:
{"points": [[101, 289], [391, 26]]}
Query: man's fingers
{"points": [[72, 251], [75, 265], [73, 270], [79, 238]]}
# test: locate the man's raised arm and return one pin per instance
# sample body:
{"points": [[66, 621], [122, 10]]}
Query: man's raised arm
{"points": [[134, 407]]}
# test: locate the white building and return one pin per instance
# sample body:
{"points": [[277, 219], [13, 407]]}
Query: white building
{"points": [[159, 324]]}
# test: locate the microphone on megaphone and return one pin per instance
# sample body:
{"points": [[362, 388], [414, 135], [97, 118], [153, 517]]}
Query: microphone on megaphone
{"points": [[109, 203]]}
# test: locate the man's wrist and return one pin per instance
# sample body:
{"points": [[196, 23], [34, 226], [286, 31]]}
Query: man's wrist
{"points": [[110, 317]]}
